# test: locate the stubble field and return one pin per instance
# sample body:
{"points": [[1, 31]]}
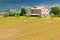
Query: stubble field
{"points": [[33, 28]]}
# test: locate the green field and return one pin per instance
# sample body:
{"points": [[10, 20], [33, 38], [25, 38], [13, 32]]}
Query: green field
{"points": [[33, 28]]}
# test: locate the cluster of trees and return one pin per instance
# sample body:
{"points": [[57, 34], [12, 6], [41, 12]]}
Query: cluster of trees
{"points": [[14, 13], [54, 12]]}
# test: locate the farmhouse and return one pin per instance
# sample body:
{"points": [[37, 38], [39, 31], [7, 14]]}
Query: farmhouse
{"points": [[39, 11]]}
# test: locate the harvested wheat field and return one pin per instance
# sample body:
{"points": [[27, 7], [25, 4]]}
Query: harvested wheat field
{"points": [[21, 28]]}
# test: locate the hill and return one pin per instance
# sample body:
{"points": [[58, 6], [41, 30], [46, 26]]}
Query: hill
{"points": [[21, 28]]}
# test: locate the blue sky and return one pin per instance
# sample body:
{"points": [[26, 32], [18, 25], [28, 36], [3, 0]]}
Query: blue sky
{"points": [[16, 4]]}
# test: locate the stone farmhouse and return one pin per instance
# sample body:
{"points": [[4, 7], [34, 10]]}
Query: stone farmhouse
{"points": [[39, 11]]}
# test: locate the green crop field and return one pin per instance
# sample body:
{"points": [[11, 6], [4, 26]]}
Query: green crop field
{"points": [[33, 28]]}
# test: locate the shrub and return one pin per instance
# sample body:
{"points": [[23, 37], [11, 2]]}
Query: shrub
{"points": [[17, 14], [11, 13], [58, 15], [5, 14], [52, 15]]}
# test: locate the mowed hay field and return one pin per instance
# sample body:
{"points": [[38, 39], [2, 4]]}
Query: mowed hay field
{"points": [[22, 28]]}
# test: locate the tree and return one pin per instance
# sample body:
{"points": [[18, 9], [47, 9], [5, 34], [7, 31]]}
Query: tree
{"points": [[55, 10], [23, 11]]}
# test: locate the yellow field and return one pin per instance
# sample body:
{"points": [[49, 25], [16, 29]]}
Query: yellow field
{"points": [[21, 28]]}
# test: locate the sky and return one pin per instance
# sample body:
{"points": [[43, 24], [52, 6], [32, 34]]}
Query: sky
{"points": [[5, 5]]}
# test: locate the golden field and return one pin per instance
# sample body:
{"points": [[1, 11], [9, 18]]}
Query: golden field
{"points": [[33, 28]]}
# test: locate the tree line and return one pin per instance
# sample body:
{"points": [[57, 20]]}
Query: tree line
{"points": [[54, 12]]}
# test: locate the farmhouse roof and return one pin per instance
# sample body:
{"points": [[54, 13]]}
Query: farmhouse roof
{"points": [[38, 7]]}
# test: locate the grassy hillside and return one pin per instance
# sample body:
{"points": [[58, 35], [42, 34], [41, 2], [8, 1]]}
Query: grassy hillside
{"points": [[21, 28]]}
